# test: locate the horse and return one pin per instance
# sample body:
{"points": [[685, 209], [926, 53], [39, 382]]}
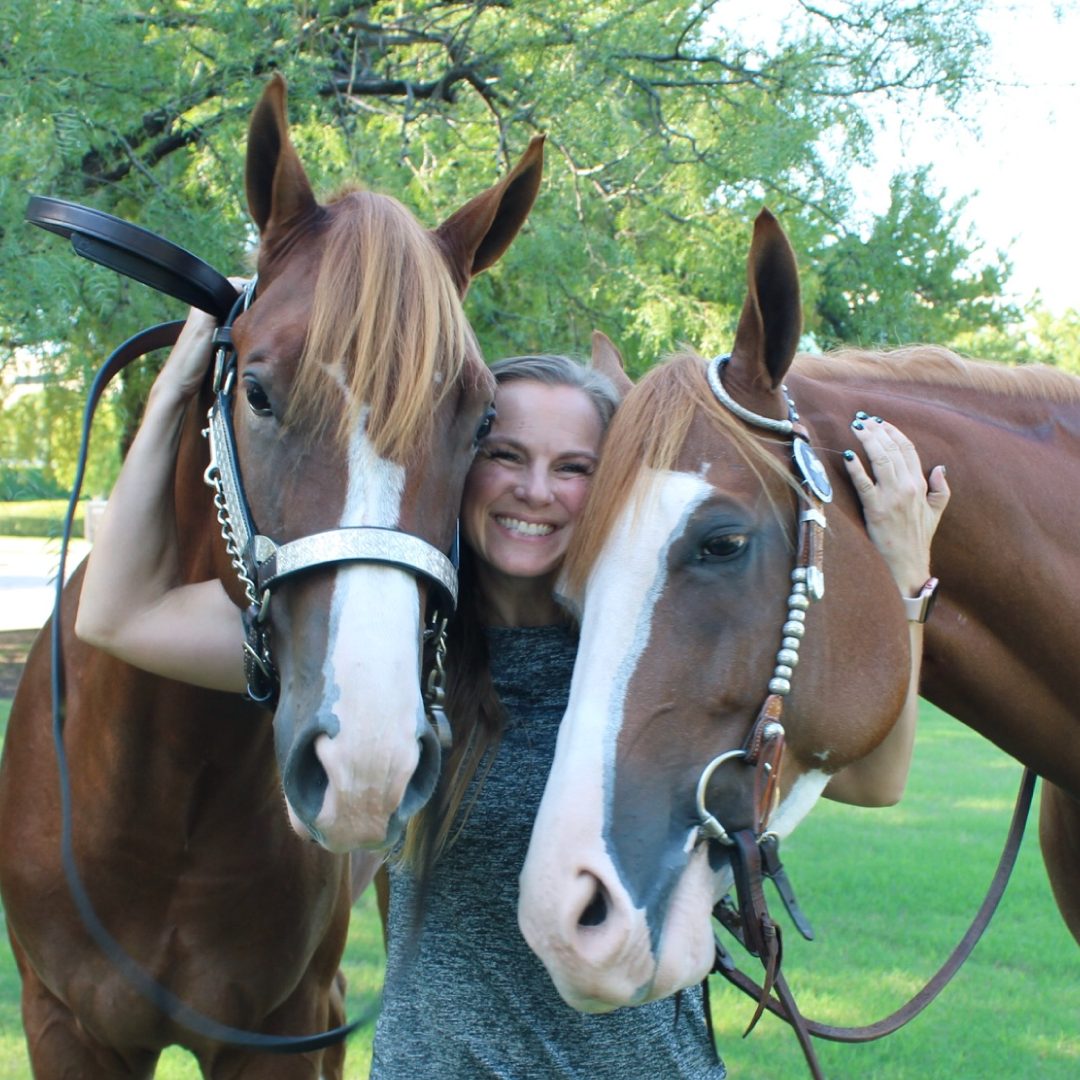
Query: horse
{"points": [[360, 393], [682, 571]]}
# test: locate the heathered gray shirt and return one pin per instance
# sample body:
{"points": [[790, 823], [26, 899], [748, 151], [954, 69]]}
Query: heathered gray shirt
{"points": [[475, 1001]]}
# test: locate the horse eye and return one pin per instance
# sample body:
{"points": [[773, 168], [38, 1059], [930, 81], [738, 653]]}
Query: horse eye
{"points": [[484, 430], [257, 400], [724, 546]]}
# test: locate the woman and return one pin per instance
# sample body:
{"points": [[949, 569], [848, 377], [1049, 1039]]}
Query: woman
{"points": [[464, 996]]}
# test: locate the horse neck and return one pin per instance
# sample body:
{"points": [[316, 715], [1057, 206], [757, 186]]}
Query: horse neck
{"points": [[1004, 552]]}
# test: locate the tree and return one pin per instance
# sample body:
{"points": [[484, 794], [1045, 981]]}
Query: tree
{"points": [[911, 279], [669, 125]]}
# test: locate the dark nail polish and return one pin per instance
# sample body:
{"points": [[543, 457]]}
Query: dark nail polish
{"points": [[849, 455], [857, 425], [879, 420], [860, 415]]}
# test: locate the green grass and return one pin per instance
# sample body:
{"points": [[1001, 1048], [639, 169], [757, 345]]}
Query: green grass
{"points": [[889, 893], [39, 517]]}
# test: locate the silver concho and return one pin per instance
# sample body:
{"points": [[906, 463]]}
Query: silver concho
{"points": [[811, 470]]}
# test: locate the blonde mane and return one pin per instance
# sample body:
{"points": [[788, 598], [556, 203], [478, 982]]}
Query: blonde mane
{"points": [[648, 432], [386, 324], [942, 367]]}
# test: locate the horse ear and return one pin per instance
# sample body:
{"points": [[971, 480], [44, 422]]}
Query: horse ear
{"points": [[771, 319], [475, 236], [278, 190], [608, 361]]}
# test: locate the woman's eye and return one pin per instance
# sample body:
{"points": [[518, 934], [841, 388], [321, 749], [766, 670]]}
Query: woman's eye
{"points": [[484, 430], [576, 468], [257, 400], [724, 546]]}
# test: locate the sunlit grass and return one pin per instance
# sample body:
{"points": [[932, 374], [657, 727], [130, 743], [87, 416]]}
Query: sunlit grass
{"points": [[889, 893]]}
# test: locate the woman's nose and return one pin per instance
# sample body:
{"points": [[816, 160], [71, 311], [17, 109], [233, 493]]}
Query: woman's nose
{"points": [[535, 488]]}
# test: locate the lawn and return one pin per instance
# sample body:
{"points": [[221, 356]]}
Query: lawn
{"points": [[889, 893]]}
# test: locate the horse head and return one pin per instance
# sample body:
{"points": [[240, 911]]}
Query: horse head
{"points": [[359, 394], [682, 569]]}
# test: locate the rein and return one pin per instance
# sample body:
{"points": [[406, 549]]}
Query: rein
{"points": [[155, 337], [755, 852], [154, 261]]}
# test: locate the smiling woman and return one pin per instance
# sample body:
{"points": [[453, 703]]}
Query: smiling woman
{"points": [[524, 492]]}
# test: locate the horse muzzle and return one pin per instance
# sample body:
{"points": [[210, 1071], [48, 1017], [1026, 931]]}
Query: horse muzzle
{"points": [[344, 799]]}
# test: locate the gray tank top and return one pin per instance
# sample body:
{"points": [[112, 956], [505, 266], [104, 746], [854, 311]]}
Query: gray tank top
{"points": [[472, 1000]]}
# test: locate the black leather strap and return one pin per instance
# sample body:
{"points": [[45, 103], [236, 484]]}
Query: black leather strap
{"points": [[136, 253]]}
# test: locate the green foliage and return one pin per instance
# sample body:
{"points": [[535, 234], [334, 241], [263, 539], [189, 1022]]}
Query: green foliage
{"points": [[911, 279], [668, 126], [39, 443], [39, 517], [1041, 338]]}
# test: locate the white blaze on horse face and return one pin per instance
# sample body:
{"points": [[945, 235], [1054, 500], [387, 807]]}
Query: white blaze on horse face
{"points": [[371, 672], [611, 963]]}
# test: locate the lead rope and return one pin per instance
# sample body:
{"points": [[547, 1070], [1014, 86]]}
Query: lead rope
{"points": [[155, 337]]}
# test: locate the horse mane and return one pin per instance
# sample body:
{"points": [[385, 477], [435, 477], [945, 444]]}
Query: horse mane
{"points": [[387, 326], [648, 432], [940, 366]]}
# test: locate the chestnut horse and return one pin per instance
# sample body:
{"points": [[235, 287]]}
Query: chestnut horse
{"points": [[363, 391], [682, 567]]}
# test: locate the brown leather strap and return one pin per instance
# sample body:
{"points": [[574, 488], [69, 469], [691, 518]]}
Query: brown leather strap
{"points": [[787, 1011]]}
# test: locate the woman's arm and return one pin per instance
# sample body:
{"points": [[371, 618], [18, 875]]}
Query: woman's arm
{"points": [[133, 603], [902, 511]]}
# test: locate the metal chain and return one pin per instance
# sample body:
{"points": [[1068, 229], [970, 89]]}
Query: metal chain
{"points": [[212, 477]]}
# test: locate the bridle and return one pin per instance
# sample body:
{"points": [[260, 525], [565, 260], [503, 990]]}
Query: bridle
{"points": [[261, 564], [764, 744], [755, 852]]}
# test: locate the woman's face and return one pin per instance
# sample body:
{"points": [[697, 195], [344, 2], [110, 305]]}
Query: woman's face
{"points": [[528, 483]]}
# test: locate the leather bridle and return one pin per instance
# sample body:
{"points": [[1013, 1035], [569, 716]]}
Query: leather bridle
{"points": [[261, 564]]}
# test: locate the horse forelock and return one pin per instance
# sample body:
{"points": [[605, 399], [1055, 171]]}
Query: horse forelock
{"points": [[935, 365], [648, 432], [387, 326]]}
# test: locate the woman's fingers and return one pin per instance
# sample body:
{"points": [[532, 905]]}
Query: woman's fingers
{"points": [[901, 506]]}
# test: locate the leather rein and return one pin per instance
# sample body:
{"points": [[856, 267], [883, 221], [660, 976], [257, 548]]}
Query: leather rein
{"points": [[754, 852]]}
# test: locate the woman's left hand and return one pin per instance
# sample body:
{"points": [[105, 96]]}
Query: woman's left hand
{"points": [[902, 508]]}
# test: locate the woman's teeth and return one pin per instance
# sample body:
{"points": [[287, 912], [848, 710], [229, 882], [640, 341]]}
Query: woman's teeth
{"points": [[526, 528]]}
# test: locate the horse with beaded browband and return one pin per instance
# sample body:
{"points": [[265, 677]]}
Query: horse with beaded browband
{"points": [[359, 391], [701, 626]]}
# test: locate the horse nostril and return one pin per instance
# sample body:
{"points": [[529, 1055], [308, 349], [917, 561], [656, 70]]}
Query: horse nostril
{"points": [[426, 775], [305, 781], [596, 910]]}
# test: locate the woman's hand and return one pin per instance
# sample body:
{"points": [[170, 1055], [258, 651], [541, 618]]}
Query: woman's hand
{"points": [[901, 507], [184, 370]]}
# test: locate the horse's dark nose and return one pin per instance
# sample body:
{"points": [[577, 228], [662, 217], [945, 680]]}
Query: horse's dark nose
{"points": [[421, 785], [596, 910], [359, 793], [305, 781]]}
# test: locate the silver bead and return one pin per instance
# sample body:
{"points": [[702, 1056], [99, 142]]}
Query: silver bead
{"points": [[796, 617], [799, 588], [788, 656], [797, 601], [779, 686], [793, 642], [799, 573], [782, 671]]}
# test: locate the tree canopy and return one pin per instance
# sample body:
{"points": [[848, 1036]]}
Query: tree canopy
{"points": [[669, 123]]}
